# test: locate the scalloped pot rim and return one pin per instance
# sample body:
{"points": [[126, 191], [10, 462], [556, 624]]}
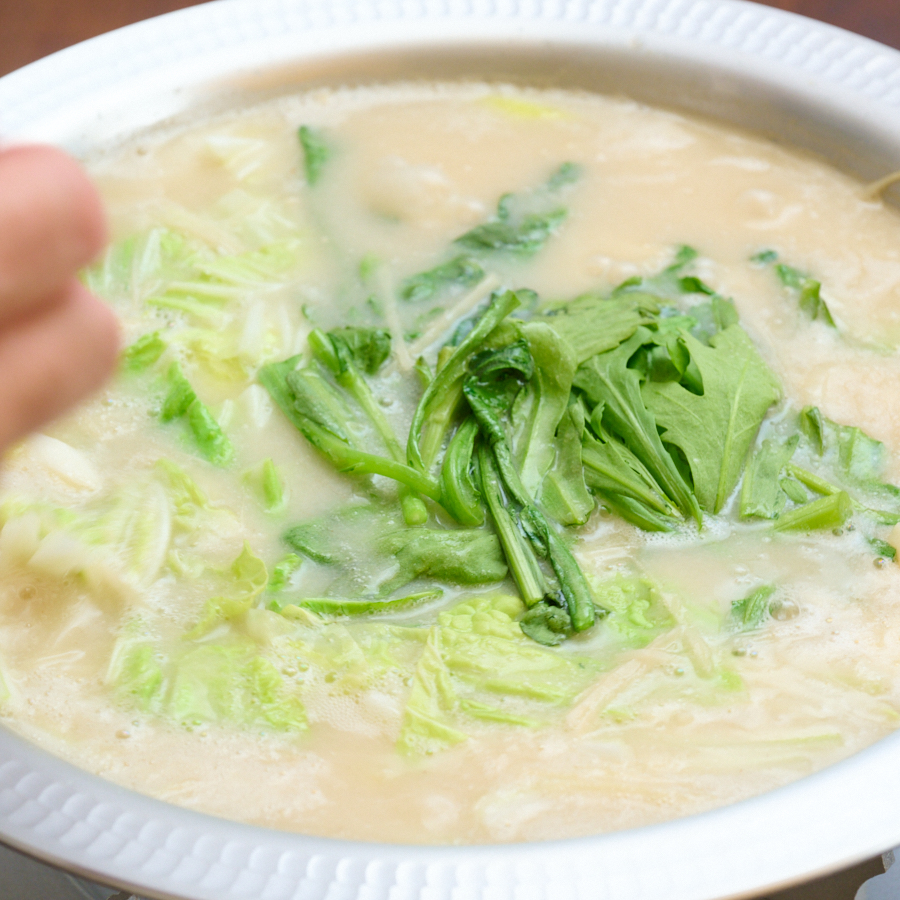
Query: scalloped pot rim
{"points": [[808, 83]]}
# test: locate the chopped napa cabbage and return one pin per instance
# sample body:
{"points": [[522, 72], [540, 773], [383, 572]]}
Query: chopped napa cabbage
{"points": [[212, 683], [267, 485], [216, 296], [20, 535], [249, 579], [242, 155], [185, 494], [431, 705], [228, 683], [136, 530], [233, 349], [636, 615], [477, 664], [201, 254], [128, 533], [348, 658], [140, 265], [64, 461], [267, 265], [136, 527], [517, 108], [283, 572], [194, 517]]}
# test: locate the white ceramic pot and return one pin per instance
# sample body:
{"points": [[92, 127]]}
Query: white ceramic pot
{"points": [[800, 81]]}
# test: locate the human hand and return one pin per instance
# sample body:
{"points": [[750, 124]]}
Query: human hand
{"points": [[57, 341]]}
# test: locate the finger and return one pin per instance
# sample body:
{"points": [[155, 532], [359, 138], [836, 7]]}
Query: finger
{"points": [[52, 223], [50, 360]]}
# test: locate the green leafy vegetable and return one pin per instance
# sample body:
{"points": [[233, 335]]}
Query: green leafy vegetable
{"points": [[316, 153], [477, 665], [753, 610], [592, 324], [806, 289], [564, 495], [883, 548], [715, 430], [536, 419], [248, 579], [144, 352], [546, 624], [461, 272], [523, 564], [850, 459], [320, 415], [181, 400], [524, 235], [331, 539], [764, 493], [268, 486], [860, 459], [612, 470], [348, 352], [208, 434], [634, 511], [669, 284], [808, 292], [329, 606], [794, 490], [368, 544], [712, 317], [487, 400], [180, 396], [434, 401], [606, 379], [827, 512], [567, 173], [365, 348], [228, 684], [460, 556], [523, 223], [283, 571], [459, 495], [764, 257], [636, 614]]}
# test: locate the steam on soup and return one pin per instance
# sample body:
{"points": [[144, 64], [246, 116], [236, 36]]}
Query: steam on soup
{"points": [[483, 465]]}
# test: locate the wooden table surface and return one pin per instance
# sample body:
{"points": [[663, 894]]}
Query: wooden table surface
{"points": [[30, 29]]}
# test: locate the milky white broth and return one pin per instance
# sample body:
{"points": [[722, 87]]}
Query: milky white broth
{"points": [[654, 732]]}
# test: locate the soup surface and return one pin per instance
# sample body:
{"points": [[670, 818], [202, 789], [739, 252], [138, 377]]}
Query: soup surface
{"points": [[197, 604]]}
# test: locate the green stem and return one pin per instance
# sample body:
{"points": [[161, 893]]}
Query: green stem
{"points": [[348, 459], [350, 378], [453, 372], [438, 424], [813, 482], [460, 497], [826, 512], [520, 558]]}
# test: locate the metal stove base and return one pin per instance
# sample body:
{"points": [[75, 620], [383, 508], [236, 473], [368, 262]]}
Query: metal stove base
{"points": [[21, 878]]}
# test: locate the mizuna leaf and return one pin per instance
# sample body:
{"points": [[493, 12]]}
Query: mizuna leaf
{"points": [[715, 430], [606, 379]]}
